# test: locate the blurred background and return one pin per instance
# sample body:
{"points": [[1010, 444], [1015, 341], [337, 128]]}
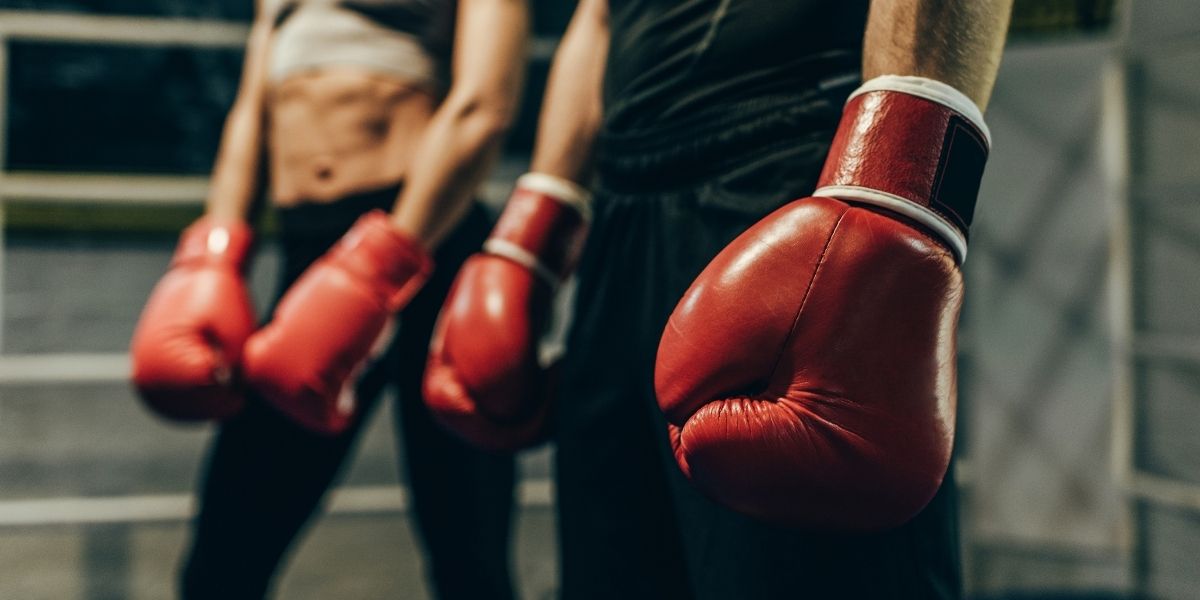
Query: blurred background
{"points": [[1080, 356]]}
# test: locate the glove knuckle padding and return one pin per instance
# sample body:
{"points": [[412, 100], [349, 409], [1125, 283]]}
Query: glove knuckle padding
{"points": [[171, 355], [808, 375], [483, 380], [488, 392], [730, 326], [792, 396], [190, 333], [300, 358], [329, 320], [500, 369]]}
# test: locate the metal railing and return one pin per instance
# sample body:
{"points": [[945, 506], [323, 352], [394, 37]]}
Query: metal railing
{"points": [[356, 500], [1130, 344]]}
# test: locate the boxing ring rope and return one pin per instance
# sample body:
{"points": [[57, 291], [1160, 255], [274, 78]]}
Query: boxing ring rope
{"points": [[158, 31], [145, 190], [17, 25], [167, 508], [3, 167]]}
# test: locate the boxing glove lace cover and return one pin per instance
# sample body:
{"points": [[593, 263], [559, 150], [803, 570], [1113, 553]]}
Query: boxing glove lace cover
{"points": [[188, 340], [327, 324], [808, 374], [483, 380]]}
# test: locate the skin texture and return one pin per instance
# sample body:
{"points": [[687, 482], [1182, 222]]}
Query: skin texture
{"points": [[955, 42], [572, 109], [237, 172], [335, 132], [958, 43], [316, 136], [338, 130], [464, 136]]}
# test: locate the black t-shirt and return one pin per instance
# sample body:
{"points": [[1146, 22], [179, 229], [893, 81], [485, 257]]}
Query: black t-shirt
{"points": [[673, 58]]}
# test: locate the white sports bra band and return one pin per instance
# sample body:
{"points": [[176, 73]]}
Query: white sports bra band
{"points": [[312, 34]]}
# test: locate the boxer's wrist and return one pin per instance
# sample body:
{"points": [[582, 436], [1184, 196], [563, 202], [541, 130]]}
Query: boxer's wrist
{"points": [[913, 146], [543, 226]]}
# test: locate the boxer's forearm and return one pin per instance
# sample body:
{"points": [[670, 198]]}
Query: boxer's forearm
{"points": [[956, 42], [237, 178], [453, 157], [572, 108], [465, 134]]}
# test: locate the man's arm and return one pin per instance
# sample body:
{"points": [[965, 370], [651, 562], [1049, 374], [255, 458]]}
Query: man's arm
{"points": [[953, 41], [237, 178], [572, 109], [466, 131]]}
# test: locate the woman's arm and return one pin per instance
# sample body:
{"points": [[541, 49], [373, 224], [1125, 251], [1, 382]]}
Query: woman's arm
{"points": [[237, 179], [465, 133]]}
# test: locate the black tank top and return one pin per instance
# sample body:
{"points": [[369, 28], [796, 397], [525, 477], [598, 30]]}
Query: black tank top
{"points": [[673, 59]]}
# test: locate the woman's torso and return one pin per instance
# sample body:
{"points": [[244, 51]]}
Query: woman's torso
{"points": [[352, 85]]}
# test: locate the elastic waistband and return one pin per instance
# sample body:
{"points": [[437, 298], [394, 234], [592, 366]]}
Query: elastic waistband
{"points": [[705, 142], [323, 219]]}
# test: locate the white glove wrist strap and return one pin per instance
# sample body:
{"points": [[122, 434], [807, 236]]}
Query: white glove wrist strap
{"points": [[567, 192], [521, 256]]}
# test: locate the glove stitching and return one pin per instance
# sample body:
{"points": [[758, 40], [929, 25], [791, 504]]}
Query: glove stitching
{"points": [[791, 332], [808, 291]]}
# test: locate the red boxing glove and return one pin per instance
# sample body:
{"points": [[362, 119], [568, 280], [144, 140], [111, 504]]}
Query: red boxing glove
{"points": [[483, 380], [808, 374], [328, 322], [189, 339]]}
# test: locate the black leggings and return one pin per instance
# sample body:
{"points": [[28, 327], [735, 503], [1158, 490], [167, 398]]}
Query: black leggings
{"points": [[265, 475]]}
